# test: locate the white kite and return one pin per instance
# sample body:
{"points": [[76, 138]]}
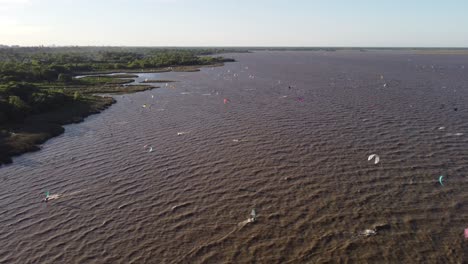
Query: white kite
{"points": [[253, 216], [150, 148], [377, 158], [369, 232]]}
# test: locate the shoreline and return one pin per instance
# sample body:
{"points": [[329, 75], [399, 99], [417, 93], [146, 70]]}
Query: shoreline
{"points": [[37, 129], [19, 138], [190, 68]]}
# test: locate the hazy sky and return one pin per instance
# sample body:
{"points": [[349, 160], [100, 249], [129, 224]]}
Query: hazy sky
{"points": [[235, 22]]}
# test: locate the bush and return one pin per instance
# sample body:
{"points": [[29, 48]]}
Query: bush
{"points": [[18, 109], [22, 90], [18, 104], [76, 96], [65, 78]]}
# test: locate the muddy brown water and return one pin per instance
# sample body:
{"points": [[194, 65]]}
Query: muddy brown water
{"points": [[291, 142]]}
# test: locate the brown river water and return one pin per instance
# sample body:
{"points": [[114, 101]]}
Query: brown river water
{"points": [[292, 141]]}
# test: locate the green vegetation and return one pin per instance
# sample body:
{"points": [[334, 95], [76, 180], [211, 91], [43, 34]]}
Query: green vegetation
{"points": [[110, 89], [38, 91], [120, 75], [101, 80]]}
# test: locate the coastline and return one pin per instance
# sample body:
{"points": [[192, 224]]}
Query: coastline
{"points": [[20, 138], [37, 129], [190, 68]]}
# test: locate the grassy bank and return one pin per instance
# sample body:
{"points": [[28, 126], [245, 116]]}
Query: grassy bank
{"points": [[157, 81], [114, 89], [188, 68]]}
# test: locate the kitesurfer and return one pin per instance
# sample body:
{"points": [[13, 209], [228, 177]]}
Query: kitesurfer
{"points": [[46, 199]]}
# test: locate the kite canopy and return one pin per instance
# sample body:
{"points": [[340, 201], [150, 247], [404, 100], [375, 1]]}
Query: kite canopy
{"points": [[377, 158], [150, 148], [369, 232], [253, 214], [441, 178]]}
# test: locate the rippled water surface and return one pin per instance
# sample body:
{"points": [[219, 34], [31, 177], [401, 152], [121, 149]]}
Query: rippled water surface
{"points": [[292, 141]]}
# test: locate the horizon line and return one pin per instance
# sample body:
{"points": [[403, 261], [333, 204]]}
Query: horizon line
{"points": [[227, 46]]}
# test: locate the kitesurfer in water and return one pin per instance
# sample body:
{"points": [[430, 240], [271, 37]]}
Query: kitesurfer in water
{"points": [[46, 199]]}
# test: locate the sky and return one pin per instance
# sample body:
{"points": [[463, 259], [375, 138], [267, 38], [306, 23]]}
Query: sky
{"points": [[335, 23]]}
